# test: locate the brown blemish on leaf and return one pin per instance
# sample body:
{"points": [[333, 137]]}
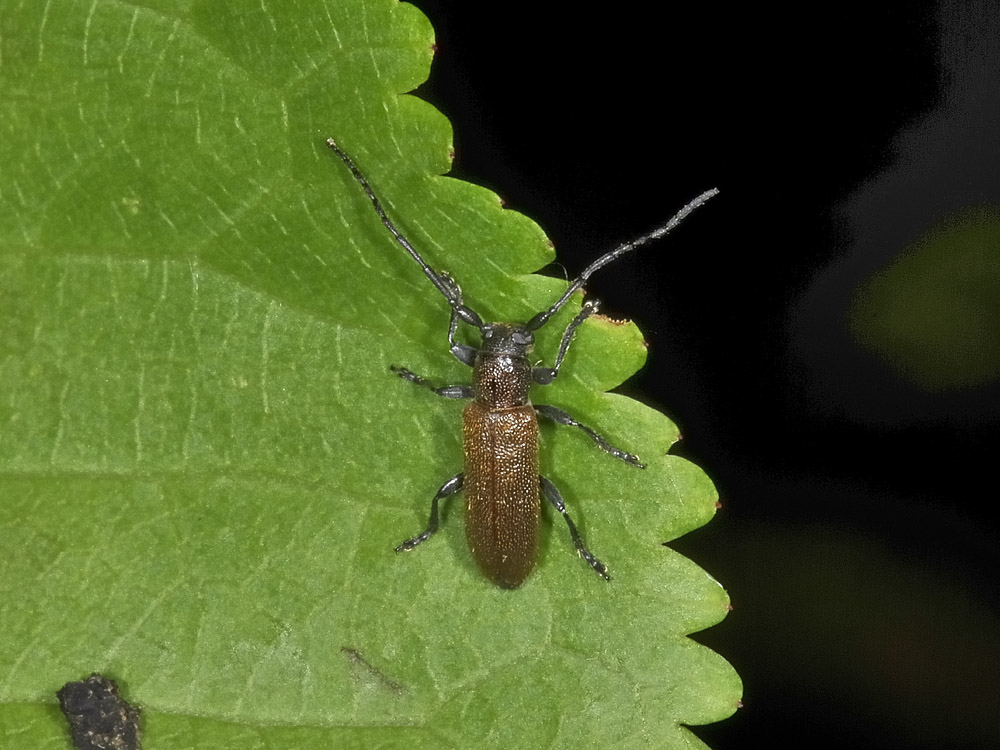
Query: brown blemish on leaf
{"points": [[360, 662], [613, 321]]}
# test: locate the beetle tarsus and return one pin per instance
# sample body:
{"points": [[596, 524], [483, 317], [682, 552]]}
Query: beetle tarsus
{"points": [[600, 568]]}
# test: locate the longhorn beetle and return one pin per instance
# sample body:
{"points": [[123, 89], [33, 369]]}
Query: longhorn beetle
{"points": [[502, 485]]}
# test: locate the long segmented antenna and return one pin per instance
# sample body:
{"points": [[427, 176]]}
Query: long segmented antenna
{"points": [[451, 291], [539, 320], [444, 283]]}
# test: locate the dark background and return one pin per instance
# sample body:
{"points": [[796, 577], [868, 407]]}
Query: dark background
{"points": [[857, 538]]}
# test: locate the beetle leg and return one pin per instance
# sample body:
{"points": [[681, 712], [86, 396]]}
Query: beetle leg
{"points": [[463, 352], [545, 375], [450, 487], [560, 417], [553, 496], [447, 391]]}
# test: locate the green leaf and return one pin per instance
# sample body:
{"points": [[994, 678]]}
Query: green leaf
{"points": [[205, 460], [931, 314]]}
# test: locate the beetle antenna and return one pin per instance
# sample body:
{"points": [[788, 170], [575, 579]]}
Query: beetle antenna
{"points": [[445, 284], [541, 318]]}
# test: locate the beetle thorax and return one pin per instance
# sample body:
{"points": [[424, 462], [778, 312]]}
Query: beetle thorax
{"points": [[502, 372]]}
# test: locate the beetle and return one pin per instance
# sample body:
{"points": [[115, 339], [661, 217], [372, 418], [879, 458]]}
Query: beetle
{"points": [[501, 479]]}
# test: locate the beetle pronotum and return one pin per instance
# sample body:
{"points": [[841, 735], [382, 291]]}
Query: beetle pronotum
{"points": [[501, 481]]}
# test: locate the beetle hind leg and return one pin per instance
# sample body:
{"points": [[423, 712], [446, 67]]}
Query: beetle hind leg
{"points": [[449, 488], [553, 496]]}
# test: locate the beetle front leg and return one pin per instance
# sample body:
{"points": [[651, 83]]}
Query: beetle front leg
{"points": [[463, 352], [560, 417], [449, 488], [553, 496], [545, 375], [446, 391]]}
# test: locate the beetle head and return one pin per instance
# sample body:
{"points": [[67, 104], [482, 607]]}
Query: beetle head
{"points": [[507, 338]]}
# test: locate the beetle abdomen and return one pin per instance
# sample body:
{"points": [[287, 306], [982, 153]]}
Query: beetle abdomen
{"points": [[501, 490]]}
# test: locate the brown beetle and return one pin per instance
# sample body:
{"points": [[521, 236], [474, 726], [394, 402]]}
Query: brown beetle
{"points": [[501, 480]]}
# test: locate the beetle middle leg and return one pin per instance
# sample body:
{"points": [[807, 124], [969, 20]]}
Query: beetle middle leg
{"points": [[553, 496], [560, 417], [449, 488], [446, 391]]}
